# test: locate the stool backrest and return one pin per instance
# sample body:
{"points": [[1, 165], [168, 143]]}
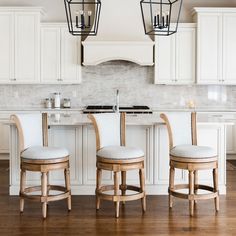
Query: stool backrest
{"points": [[32, 129], [109, 128], [181, 128]]}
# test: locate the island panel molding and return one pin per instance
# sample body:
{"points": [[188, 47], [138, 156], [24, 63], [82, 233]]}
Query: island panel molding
{"points": [[149, 133]]}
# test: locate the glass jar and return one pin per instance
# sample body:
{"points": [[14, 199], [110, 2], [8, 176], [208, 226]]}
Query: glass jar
{"points": [[48, 103], [57, 100], [66, 103]]}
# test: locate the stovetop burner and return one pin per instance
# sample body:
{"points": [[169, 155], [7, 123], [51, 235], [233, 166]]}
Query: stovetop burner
{"points": [[108, 108]]}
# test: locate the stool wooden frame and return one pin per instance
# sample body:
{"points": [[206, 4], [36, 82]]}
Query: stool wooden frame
{"points": [[43, 166], [192, 165], [117, 166]]}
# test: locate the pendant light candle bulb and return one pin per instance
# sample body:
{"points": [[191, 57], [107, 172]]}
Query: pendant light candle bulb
{"points": [[89, 18]]}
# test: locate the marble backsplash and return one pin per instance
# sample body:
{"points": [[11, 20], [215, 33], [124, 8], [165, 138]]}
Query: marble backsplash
{"points": [[134, 82]]}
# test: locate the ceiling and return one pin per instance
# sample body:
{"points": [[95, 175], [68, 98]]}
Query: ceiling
{"points": [[55, 8]]}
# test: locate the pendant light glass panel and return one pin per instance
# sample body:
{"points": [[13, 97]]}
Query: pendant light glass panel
{"points": [[160, 17], [83, 16]]}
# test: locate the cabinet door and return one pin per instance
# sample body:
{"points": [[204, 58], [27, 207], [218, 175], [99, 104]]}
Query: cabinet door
{"points": [[209, 60], [89, 158], [27, 27], [212, 136], [162, 159], [4, 131], [6, 47], [141, 137], [229, 48], [165, 60], [185, 55], [70, 57], [70, 138], [50, 54]]}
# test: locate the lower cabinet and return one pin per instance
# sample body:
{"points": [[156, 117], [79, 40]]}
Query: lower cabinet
{"points": [[153, 140], [136, 136], [207, 135], [4, 131]]}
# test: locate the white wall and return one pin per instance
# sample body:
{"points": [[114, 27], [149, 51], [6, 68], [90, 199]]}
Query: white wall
{"points": [[55, 8]]}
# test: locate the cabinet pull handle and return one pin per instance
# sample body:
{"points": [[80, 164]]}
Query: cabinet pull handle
{"points": [[13, 79], [60, 79]]}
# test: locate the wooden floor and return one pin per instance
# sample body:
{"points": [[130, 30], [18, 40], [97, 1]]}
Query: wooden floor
{"points": [[84, 220]]}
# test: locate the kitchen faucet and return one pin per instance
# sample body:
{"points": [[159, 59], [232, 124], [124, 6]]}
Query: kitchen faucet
{"points": [[116, 107]]}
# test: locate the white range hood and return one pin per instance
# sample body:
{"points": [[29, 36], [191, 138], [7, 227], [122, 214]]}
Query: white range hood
{"points": [[120, 36]]}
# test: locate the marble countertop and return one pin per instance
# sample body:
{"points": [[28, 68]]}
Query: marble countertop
{"points": [[140, 119]]}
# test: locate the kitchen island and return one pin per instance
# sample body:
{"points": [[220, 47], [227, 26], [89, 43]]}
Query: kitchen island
{"points": [[75, 132]]}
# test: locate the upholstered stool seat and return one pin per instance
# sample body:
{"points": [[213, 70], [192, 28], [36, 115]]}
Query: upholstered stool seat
{"points": [[193, 151], [36, 156], [185, 154], [44, 153], [120, 152], [113, 155]]}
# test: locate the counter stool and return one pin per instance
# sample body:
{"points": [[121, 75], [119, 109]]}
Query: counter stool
{"points": [[35, 155], [186, 155], [113, 155]]}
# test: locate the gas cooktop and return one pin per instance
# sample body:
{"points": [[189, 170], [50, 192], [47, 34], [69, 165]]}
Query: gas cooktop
{"points": [[108, 108]]}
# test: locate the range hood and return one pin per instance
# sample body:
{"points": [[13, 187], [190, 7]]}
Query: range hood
{"points": [[120, 36]]}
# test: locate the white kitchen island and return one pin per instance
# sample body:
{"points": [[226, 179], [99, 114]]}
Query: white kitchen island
{"points": [[75, 132]]}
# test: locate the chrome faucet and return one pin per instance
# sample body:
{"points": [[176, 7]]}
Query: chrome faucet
{"points": [[116, 107]]}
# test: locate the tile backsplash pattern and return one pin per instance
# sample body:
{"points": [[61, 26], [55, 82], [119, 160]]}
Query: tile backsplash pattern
{"points": [[134, 82]]}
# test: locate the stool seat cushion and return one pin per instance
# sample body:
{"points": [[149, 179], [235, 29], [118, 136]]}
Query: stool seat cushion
{"points": [[193, 151], [120, 152], [41, 153]]}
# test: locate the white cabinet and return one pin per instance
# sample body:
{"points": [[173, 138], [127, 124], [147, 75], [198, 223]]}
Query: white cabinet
{"points": [[229, 48], [208, 135], [20, 37], [216, 48], [4, 131], [60, 55], [70, 138], [136, 136], [6, 46], [175, 57]]}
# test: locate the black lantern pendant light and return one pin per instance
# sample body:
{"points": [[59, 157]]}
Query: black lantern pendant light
{"points": [[83, 16], [160, 17]]}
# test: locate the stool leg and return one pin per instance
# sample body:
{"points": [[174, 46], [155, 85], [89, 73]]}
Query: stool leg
{"points": [[171, 185], [48, 186], [191, 191], [116, 191], [142, 186], [44, 193], [68, 188], [123, 183], [22, 188], [195, 183], [216, 188], [98, 185]]}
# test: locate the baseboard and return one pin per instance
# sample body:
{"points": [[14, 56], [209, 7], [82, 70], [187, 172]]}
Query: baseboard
{"points": [[4, 156], [231, 157]]}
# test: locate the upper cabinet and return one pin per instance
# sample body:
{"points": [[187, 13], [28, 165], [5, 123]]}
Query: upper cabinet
{"points": [[60, 55], [175, 56], [19, 37], [216, 47]]}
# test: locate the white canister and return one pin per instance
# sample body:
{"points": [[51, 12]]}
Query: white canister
{"points": [[57, 100]]}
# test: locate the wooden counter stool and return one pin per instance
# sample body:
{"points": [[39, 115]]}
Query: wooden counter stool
{"points": [[186, 155], [35, 155], [113, 155]]}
